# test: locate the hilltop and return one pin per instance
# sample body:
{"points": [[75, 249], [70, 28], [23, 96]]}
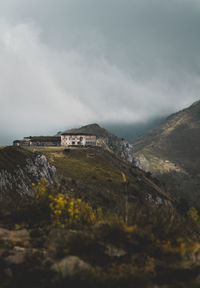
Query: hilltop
{"points": [[94, 129], [108, 141], [93, 174], [171, 152]]}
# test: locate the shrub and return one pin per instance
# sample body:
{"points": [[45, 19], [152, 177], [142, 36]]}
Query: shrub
{"points": [[70, 211], [64, 209], [193, 214]]}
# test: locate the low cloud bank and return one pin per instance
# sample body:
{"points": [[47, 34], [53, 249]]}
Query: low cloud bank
{"points": [[47, 85]]}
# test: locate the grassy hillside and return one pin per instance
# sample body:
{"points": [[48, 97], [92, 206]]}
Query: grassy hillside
{"points": [[102, 223], [96, 175], [171, 152], [10, 157]]}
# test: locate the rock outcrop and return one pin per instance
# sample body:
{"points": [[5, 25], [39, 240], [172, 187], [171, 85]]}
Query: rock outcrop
{"points": [[20, 168]]}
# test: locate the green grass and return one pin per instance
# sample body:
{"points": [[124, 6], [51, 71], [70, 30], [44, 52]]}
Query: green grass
{"points": [[11, 157], [93, 174], [85, 165], [45, 149], [82, 163], [94, 170]]}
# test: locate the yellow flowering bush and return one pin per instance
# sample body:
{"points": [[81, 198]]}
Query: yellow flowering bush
{"points": [[65, 209], [193, 214], [40, 188], [68, 210], [179, 248], [183, 247]]}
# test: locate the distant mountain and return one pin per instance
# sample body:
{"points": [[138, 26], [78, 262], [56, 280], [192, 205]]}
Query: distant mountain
{"points": [[108, 141], [171, 152], [131, 131], [90, 129]]}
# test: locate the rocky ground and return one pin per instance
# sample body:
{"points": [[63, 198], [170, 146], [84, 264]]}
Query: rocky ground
{"points": [[103, 256]]}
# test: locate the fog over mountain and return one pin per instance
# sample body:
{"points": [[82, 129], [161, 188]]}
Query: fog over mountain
{"points": [[69, 63]]}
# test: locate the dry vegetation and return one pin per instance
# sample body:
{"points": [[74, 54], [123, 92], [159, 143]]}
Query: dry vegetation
{"points": [[56, 240], [95, 227], [176, 141]]}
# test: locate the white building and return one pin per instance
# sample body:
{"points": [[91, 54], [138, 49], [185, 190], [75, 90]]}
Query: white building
{"points": [[78, 139]]}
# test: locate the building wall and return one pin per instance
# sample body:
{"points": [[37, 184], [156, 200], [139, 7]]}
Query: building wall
{"points": [[78, 140], [66, 140], [36, 143], [21, 143], [47, 143]]}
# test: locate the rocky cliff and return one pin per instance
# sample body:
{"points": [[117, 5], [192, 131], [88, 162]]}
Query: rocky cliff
{"points": [[19, 168]]}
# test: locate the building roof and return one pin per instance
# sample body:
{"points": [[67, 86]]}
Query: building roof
{"points": [[76, 133], [44, 138]]}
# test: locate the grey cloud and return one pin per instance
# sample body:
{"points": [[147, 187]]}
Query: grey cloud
{"points": [[66, 63]]}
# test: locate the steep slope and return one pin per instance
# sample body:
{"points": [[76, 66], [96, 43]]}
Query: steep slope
{"points": [[108, 141], [19, 168], [135, 238], [94, 174], [172, 151], [97, 175], [139, 240]]}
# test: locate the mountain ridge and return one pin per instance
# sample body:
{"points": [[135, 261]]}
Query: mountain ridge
{"points": [[171, 152]]}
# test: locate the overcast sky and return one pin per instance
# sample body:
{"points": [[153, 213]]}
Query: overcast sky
{"points": [[67, 63]]}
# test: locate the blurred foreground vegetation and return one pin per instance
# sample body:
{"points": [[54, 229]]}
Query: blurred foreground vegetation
{"points": [[58, 240]]}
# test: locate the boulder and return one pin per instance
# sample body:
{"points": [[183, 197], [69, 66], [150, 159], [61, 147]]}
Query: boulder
{"points": [[15, 237], [71, 266]]}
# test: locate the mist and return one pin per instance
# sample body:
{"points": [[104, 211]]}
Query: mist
{"points": [[69, 63]]}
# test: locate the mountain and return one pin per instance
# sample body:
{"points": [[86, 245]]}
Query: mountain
{"points": [[131, 131], [97, 222], [108, 141], [19, 168], [94, 174], [171, 152], [90, 129]]}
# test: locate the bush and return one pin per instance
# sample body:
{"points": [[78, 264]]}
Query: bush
{"points": [[63, 208], [72, 212]]}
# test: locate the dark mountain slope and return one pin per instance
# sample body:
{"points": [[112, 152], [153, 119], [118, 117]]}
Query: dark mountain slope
{"points": [[172, 152], [91, 129]]}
